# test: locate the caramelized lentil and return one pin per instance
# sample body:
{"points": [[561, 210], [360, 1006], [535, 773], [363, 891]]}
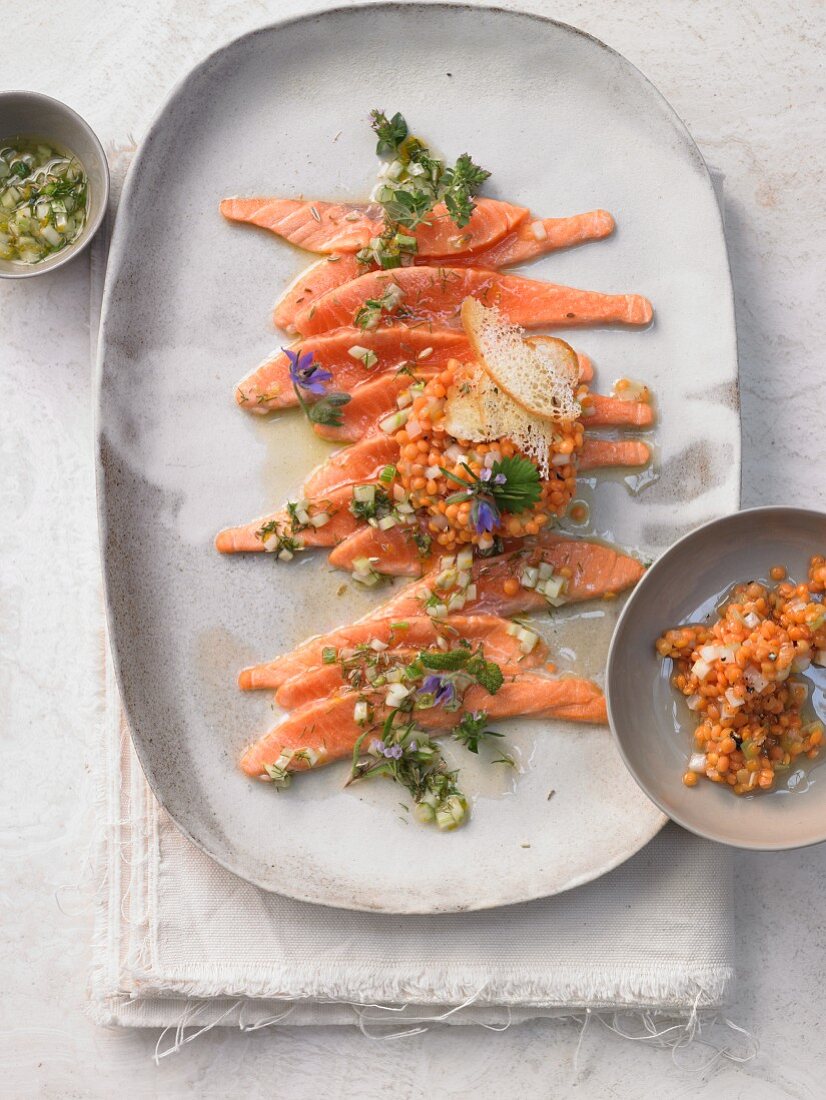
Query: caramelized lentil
{"points": [[738, 676]]}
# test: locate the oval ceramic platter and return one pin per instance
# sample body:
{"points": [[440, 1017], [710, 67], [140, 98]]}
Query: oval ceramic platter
{"points": [[565, 125]]}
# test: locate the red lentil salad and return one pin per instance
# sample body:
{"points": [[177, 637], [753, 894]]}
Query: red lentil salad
{"points": [[740, 677]]}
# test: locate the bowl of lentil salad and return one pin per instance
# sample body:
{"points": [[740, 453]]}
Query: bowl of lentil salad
{"points": [[54, 184], [716, 680]]}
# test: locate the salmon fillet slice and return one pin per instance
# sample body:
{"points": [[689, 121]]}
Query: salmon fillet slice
{"points": [[316, 683], [597, 453], [372, 401], [269, 386], [317, 279], [536, 238], [434, 295], [357, 464], [347, 227], [525, 243], [418, 631], [369, 403], [327, 727], [396, 551], [362, 462], [336, 504], [615, 410], [596, 570]]}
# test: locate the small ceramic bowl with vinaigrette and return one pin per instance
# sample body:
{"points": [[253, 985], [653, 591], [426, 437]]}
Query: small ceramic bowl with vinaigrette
{"points": [[54, 184], [649, 718]]}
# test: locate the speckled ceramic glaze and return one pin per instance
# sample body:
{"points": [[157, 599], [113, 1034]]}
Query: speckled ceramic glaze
{"points": [[565, 125]]}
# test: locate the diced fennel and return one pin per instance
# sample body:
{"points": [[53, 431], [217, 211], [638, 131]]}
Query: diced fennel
{"points": [[38, 186], [364, 494]]}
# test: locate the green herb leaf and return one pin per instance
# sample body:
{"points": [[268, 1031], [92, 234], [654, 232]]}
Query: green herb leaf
{"points": [[408, 208], [522, 487], [449, 661], [390, 132], [326, 410], [486, 673], [471, 730]]}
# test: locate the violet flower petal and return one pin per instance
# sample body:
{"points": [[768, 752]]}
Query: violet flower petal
{"points": [[485, 516]]}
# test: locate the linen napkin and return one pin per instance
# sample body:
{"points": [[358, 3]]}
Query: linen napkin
{"points": [[179, 941]]}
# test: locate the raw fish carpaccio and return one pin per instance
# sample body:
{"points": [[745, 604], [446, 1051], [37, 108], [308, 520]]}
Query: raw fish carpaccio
{"points": [[459, 441]]}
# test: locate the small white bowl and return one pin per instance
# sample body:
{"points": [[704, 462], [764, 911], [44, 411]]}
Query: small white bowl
{"points": [[30, 113]]}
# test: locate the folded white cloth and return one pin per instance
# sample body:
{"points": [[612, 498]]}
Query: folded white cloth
{"points": [[180, 941]]}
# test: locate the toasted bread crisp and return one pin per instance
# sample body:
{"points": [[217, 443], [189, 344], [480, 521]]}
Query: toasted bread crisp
{"points": [[538, 374], [517, 389]]}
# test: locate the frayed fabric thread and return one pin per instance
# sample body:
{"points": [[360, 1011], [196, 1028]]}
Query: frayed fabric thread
{"points": [[700, 1032]]}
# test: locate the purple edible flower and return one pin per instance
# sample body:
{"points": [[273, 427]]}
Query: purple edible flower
{"points": [[487, 473], [305, 374], [392, 752], [442, 690], [485, 516]]}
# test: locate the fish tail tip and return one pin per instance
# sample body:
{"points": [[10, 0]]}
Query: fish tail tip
{"points": [[224, 542], [640, 309], [246, 679], [247, 764]]}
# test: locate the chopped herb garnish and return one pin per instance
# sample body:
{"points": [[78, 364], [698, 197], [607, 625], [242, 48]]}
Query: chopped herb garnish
{"points": [[370, 314], [283, 544], [415, 183], [506, 759], [375, 504], [278, 776], [406, 755], [422, 541], [462, 181], [292, 511], [329, 655], [471, 730], [392, 249]]}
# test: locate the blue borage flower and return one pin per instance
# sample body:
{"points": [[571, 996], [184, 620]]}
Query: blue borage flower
{"points": [[510, 485], [308, 378], [442, 689], [485, 515], [306, 374]]}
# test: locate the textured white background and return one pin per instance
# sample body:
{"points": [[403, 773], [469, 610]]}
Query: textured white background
{"points": [[747, 77]]}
